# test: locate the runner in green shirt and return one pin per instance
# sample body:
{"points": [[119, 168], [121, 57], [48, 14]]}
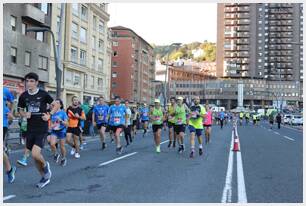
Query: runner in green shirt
{"points": [[180, 122], [196, 115], [157, 117], [171, 122]]}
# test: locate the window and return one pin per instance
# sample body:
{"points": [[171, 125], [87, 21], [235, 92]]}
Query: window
{"points": [[114, 74], [115, 43], [74, 29], [74, 54], [83, 35], [92, 81], [100, 82], [42, 62], [115, 53], [13, 55], [114, 84], [115, 64], [75, 9], [84, 12], [93, 42], [23, 28], [82, 57], [58, 24], [101, 26], [94, 23], [68, 77], [100, 64], [40, 36], [27, 58], [13, 23], [93, 66], [77, 79], [101, 45], [44, 8]]}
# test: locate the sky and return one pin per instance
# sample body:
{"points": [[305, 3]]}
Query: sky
{"points": [[167, 23]]}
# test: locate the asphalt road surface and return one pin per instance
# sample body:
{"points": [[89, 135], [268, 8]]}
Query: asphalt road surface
{"points": [[268, 168]]}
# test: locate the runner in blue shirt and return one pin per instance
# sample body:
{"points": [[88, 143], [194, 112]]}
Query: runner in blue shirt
{"points": [[144, 117], [117, 121], [100, 119], [59, 123], [221, 118]]}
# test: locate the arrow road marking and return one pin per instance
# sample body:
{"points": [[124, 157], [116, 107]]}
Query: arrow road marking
{"points": [[116, 159]]}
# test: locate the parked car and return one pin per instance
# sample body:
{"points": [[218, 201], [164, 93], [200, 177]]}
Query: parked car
{"points": [[287, 118], [296, 120]]}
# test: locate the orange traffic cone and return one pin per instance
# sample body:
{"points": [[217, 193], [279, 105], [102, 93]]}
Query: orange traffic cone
{"points": [[236, 144]]}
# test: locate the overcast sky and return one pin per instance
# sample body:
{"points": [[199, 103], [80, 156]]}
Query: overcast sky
{"points": [[166, 23]]}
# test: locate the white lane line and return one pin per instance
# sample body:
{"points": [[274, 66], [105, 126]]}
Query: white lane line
{"points": [[242, 197], [164, 142], [276, 133], [227, 190], [289, 138], [8, 197], [116, 159], [292, 128]]}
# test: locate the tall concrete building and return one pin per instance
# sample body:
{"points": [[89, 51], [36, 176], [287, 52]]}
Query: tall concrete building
{"points": [[86, 51], [133, 66], [260, 41], [25, 52]]}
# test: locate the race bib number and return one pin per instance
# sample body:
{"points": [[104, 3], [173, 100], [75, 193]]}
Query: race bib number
{"points": [[157, 118], [179, 121], [145, 114], [100, 117], [194, 115], [117, 120]]}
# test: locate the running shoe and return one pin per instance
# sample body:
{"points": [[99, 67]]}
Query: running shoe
{"points": [[157, 149], [72, 152], [180, 150], [11, 174], [119, 150], [77, 155], [104, 145], [47, 171], [63, 162], [43, 182], [23, 161], [169, 145], [173, 144], [200, 151], [112, 140], [191, 154], [56, 158]]}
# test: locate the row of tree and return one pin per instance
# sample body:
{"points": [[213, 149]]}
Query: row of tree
{"points": [[185, 51]]}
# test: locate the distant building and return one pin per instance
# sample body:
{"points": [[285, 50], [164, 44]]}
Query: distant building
{"points": [[133, 66], [197, 53]]}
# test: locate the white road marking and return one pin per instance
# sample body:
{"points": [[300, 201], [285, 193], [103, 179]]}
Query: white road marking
{"points": [[289, 138], [227, 190], [242, 197], [292, 128], [276, 133], [116, 159], [164, 142], [8, 197]]}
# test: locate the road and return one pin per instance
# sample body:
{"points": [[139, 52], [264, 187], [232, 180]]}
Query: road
{"points": [[268, 168]]}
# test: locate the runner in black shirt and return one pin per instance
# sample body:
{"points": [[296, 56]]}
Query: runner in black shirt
{"points": [[32, 104]]}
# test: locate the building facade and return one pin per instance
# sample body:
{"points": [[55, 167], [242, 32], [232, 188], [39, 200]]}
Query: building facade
{"points": [[260, 41], [25, 52], [133, 66], [85, 51]]}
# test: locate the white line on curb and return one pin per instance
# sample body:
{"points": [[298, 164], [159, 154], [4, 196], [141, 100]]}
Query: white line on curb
{"points": [[242, 197], [227, 191], [289, 138], [119, 158], [8, 197], [164, 142]]}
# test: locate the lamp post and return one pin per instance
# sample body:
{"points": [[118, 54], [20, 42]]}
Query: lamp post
{"points": [[58, 72]]}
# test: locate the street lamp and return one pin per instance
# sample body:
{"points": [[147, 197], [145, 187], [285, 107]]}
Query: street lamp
{"points": [[58, 72], [167, 64]]}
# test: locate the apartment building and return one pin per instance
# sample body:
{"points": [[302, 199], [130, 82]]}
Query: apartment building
{"points": [[133, 66], [25, 52], [262, 40], [86, 51]]}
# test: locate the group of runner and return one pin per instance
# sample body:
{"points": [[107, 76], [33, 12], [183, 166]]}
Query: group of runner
{"points": [[47, 119]]}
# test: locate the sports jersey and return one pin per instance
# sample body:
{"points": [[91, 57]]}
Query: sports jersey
{"points": [[221, 115], [144, 114], [55, 120], [157, 116], [117, 115], [7, 96], [180, 115], [171, 117], [196, 119], [73, 121], [129, 113], [208, 118], [101, 112], [241, 115]]}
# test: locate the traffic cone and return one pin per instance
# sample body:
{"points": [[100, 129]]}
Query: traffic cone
{"points": [[236, 144]]}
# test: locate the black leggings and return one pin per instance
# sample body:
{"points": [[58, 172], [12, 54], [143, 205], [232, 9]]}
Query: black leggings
{"points": [[127, 134]]}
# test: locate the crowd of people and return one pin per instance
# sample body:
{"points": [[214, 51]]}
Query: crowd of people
{"points": [[44, 118]]}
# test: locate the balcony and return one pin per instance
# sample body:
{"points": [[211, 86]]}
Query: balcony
{"points": [[243, 28], [243, 22], [32, 13]]}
